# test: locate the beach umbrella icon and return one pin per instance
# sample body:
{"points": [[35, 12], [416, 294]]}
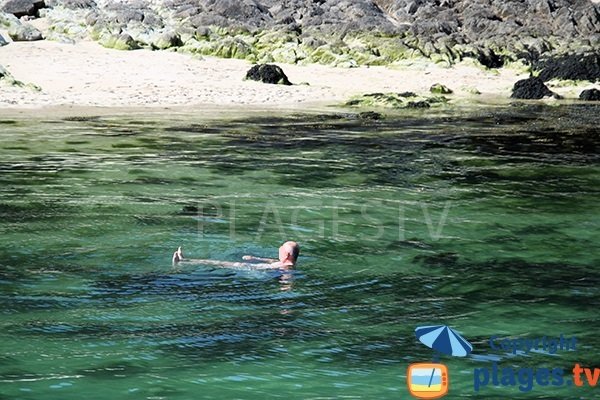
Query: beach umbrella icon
{"points": [[444, 339]]}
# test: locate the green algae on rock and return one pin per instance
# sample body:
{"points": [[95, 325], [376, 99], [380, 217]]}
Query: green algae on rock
{"points": [[438, 88], [24, 33], [395, 100], [119, 42], [336, 32], [7, 78]]}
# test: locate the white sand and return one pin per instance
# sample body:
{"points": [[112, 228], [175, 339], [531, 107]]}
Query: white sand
{"points": [[88, 75]]}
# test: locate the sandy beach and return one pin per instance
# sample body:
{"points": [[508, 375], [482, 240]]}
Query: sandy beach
{"points": [[88, 75]]}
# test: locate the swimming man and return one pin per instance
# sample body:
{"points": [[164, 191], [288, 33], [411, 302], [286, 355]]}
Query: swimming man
{"points": [[288, 255]]}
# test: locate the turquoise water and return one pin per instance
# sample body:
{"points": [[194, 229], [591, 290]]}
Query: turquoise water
{"points": [[484, 219]]}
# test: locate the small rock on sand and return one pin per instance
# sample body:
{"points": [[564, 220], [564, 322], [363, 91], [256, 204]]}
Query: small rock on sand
{"points": [[268, 73]]}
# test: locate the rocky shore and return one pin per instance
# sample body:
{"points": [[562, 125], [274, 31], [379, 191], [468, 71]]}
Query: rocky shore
{"points": [[332, 32], [552, 39]]}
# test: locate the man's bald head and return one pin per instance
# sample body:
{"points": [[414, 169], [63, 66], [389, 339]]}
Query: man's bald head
{"points": [[289, 252]]}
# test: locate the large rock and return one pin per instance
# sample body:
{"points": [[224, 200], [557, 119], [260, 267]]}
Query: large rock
{"points": [[531, 88], [124, 13], [268, 73], [123, 41], [21, 8], [166, 40], [24, 33], [590, 95], [232, 48], [573, 66], [250, 11], [8, 20]]}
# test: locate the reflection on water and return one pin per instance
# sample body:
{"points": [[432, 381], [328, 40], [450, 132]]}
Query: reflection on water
{"points": [[484, 219]]}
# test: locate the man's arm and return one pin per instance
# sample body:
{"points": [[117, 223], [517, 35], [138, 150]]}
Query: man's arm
{"points": [[225, 264], [266, 264], [252, 258]]}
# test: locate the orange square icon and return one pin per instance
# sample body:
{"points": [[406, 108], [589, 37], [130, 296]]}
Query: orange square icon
{"points": [[427, 380]]}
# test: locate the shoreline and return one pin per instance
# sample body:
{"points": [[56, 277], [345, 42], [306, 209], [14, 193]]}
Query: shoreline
{"points": [[86, 75], [208, 112]]}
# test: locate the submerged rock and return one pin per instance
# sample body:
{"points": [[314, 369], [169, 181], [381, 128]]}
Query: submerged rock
{"points": [[531, 88], [590, 95], [24, 33], [395, 100], [268, 73], [189, 210], [370, 115], [445, 259]]}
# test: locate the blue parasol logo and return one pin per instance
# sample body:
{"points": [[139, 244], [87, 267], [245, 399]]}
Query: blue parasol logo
{"points": [[444, 339], [432, 380]]}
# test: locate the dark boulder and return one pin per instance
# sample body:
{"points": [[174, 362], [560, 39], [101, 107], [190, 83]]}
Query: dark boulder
{"points": [[123, 13], [531, 88], [418, 104], [445, 259], [326, 16], [22, 8], [268, 73], [590, 95], [252, 13], [571, 66], [370, 115], [206, 19], [490, 59]]}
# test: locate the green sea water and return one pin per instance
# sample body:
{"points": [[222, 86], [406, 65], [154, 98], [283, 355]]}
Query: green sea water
{"points": [[483, 219]]}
